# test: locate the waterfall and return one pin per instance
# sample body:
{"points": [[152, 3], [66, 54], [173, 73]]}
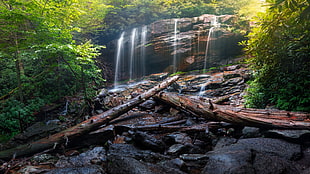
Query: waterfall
{"points": [[118, 58], [175, 46], [214, 25], [207, 48], [132, 53], [143, 42]]}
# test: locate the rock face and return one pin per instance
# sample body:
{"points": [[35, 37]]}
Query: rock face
{"points": [[184, 40]]}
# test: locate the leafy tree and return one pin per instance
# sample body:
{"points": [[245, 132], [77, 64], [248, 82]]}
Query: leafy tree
{"points": [[39, 57], [279, 54]]}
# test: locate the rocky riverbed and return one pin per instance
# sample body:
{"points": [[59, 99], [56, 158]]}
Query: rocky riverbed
{"points": [[156, 138]]}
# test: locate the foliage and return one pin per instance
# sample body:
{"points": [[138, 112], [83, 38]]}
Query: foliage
{"points": [[279, 54], [129, 14], [39, 59]]}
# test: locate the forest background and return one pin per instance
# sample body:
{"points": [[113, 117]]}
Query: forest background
{"points": [[50, 49]]}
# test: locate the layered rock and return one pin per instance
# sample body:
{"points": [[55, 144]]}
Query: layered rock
{"points": [[187, 44]]}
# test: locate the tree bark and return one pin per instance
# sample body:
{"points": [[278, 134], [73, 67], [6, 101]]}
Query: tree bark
{"points": [[242, 116], [85, 127]]}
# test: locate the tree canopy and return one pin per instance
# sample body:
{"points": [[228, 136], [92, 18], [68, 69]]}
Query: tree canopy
{"points": [[279, 54], [40, 60]]}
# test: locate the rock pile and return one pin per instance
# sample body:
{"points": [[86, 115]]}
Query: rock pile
{"points": [[155, 138]]}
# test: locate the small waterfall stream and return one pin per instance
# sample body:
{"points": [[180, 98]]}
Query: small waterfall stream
{"points": [[207, 48], [143, 43], [132, 53], [175, 42], [120, 44], [214, 25]]}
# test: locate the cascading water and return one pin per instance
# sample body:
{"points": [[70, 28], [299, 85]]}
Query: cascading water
{"points": [[207, 48], [214, 25], [143, 43], [132, 53], [175, 46], [120, 44]]}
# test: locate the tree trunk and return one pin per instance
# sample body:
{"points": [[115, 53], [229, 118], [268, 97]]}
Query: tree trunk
{"points": [[85, 127], [241, 116]]}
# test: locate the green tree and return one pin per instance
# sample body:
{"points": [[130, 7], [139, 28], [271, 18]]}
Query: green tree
{"points": [[36, 44], [279, 54]]}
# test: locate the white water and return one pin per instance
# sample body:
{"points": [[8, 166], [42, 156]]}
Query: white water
{"points": [[214, 25], [118, 58], [143, 42], [175, 46], [132, 53], [207, 48]]}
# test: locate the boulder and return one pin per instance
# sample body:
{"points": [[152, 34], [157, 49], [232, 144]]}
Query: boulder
{"points": [[253, 155]]}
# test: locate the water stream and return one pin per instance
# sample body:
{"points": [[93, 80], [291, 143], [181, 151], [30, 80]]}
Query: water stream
{"points": [[214, 25], [175, 46], [132, 53], [120, 44], [143, 44]]}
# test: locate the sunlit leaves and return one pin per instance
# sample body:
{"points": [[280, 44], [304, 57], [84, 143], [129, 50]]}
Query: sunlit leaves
{"points": [[279, 52]]}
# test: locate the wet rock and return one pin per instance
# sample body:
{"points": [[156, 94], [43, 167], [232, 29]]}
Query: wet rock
{"points": [[224, 141], [36, 131], [292, 135], [233, 81], [126, 159], [231, 75], [91, 169], [148, 104], [231, 68], [247, 155], [180, 138], [277, 147], [304, 161], [128, 150], [251, 132], [231, 161], [96, 154], [264, 163], [176, 149], [129, 165], [174, 163], [199, 158], [146, 141]]}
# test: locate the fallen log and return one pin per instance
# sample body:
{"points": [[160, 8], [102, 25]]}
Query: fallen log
{"points": [[242, 116], [84, 127]]}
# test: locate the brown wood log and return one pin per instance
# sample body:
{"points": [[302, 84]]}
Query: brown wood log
{"points": [[91, 124], [241, 116]]}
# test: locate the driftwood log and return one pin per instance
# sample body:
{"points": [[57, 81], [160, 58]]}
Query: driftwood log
{"points": [[242, 116], [85, 127]]}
